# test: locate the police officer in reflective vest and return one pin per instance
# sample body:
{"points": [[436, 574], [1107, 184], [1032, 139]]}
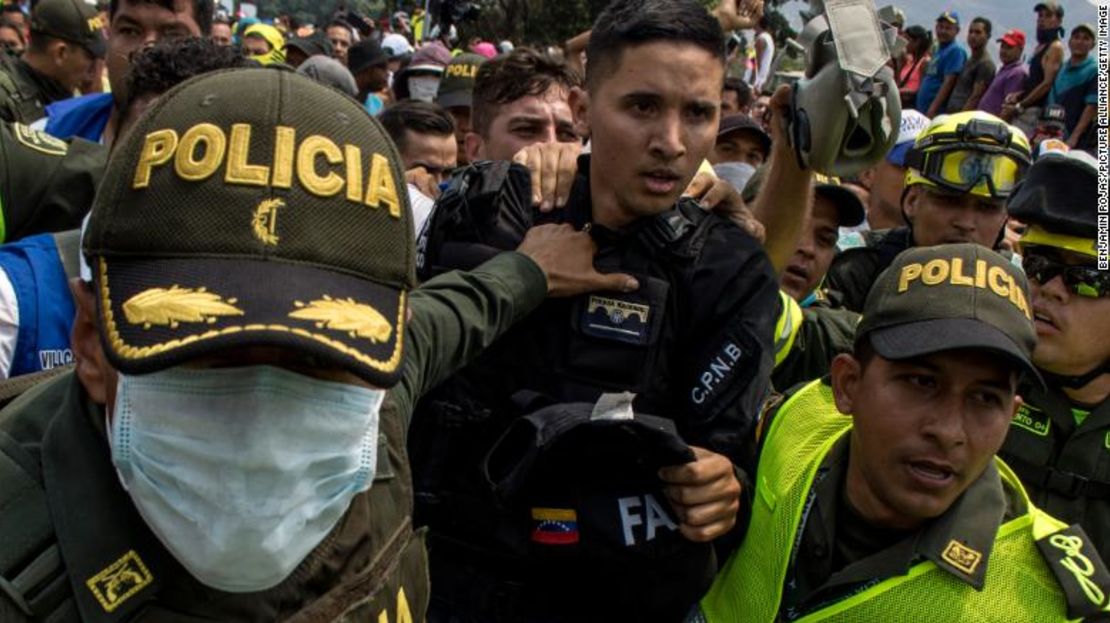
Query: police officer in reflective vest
{"points": [[879, 496], [1059, 441], [231, 444], [693, 342], [959, 173]]}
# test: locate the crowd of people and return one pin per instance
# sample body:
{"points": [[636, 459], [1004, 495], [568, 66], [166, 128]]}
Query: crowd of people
{"points": [[357, 321]]}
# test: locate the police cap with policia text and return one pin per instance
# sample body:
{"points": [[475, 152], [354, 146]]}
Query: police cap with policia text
{"points": [[253, 206], [75, 21], [947, 297]]}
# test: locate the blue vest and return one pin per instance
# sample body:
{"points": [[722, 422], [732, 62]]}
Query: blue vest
{"points": [[84, 116], [46, 309]]}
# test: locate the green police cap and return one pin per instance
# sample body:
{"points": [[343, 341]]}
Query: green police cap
{"points": [[253, 206], [456, 88], [948, 297], [71, 20]]}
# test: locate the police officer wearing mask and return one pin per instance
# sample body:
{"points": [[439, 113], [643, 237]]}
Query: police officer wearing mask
{"points": [[693, 342], [249, 347], [1059, 441], [959, 173], [878, 495]]}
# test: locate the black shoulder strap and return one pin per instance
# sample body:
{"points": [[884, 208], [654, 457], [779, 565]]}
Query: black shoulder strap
{"points": [[32, 575], [1080, 571]]}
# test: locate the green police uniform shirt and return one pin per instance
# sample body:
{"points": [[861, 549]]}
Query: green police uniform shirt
{"points": [[823, 332], [115, 569], [1064, 460], [807, 556], [46, 185], [24, 92]]}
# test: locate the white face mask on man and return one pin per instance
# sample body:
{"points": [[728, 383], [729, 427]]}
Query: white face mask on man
{"points": [[242, 472], [423, 88]]}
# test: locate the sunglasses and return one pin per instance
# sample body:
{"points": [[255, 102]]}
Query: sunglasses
{"points": [[1086, 281]]}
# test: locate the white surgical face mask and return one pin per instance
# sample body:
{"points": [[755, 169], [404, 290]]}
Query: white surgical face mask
{"points": [[735, 173], [242, 472], [423, 88]]}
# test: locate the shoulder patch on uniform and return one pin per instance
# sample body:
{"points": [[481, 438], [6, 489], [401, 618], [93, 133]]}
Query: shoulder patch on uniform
{"points": [[962, 557], [39, 141], [119, 581], [1032, 419], [1079, 570]]}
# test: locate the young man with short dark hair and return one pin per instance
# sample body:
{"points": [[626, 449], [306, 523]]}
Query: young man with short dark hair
{"points": [[520, 99], [693, 343], [978, 71], [133, 25]]}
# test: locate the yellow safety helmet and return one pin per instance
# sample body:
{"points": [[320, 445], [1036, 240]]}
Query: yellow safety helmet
{"points": [[969, 152]]}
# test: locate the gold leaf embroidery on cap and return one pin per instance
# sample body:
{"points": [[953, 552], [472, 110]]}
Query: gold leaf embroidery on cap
{"points": [[264, 222], [119, 581], [159, 306], [961, 556], [357, 319]]}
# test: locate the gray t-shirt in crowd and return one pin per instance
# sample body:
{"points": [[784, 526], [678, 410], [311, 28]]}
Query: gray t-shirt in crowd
{"points": [[975, 70]]}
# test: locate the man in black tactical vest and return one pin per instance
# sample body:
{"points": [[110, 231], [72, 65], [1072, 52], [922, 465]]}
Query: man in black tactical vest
{"points": [[1059, 441], [231, 443], [693, 342]]}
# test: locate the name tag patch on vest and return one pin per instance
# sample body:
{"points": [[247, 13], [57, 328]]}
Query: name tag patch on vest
{"points": [[120, 581], [1079, 570], [617, 319], [1032, 419]]}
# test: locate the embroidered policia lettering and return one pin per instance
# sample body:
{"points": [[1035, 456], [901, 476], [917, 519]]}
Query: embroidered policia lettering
{"points": [[204, 149], [985, 277], [119, 581]]}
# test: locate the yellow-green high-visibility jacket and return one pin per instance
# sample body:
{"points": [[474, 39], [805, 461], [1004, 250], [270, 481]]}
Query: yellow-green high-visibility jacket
{"points": [[1019, 585]]}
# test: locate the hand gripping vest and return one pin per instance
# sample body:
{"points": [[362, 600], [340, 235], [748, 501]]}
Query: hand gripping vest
{"points": [[1019, 585]]}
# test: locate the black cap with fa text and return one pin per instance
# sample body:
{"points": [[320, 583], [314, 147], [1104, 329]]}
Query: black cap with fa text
{"points": [[948, 297], [253, 207], [70, 20]]}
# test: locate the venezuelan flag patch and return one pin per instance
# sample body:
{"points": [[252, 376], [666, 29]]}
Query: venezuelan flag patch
{"points": [[554, 526]]}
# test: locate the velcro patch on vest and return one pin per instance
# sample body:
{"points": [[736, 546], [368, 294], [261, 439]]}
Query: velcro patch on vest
{"points": [[1033, 420], [39, 141], [618, 319], [1079, 570]]}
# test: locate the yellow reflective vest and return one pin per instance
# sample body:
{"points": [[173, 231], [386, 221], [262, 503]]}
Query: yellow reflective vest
{"points": [[1019, 585]]}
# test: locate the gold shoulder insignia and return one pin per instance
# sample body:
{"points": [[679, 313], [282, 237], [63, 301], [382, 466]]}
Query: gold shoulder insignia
{"points": [[264, 221], [159, 306], [119, 581], [357, 319], [961, 556], [39, 141]]}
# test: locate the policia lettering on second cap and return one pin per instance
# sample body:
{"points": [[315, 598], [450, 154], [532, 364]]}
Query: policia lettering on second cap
{"points": [[231, 445], [878, 496]]}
